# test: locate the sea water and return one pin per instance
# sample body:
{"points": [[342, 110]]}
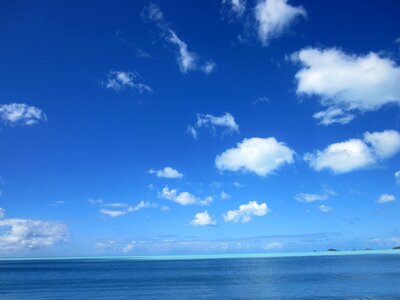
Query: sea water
{"points": [[338, 275]]}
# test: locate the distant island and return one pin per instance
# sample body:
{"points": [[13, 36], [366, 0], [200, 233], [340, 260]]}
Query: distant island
{"points": [[396, 248], [332, 250]]}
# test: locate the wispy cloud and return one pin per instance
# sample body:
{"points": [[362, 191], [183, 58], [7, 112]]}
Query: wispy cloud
{"points": [[187, 60], [325, 209], [120, 80], [307, 197], [268, 19], [117, 209], [385, 198], [226, 122]]}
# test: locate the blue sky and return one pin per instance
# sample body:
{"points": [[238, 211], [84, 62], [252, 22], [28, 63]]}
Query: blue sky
{"points": [[198, 126]]}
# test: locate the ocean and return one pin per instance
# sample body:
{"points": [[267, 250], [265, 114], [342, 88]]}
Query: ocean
{"points": [[375, 275]]}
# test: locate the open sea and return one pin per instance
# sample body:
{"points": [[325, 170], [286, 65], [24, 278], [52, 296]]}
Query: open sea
{"points": [[355, 275]]}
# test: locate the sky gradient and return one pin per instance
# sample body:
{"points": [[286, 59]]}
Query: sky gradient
{"points": [[198, 126]]}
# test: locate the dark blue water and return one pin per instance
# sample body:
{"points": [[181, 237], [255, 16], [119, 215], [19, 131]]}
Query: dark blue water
{"points": [[324, 277]]}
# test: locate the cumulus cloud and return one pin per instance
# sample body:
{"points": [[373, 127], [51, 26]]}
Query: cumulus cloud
{"points": [[119, 80], [246, 212], [187, 60], [385, 144], [324, 209], [356, 154], [274, 17], [21, 114], [262, 156], [226, 122], [27, 234], [167, 172], [203, 219], [346, 83], [385, 198], [183, 198]]}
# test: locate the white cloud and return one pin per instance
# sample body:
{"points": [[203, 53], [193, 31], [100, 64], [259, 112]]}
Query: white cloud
{"points": [[305, 197], [226, 122], [27, 234], [356, 154], [346, 83], [385, 144], [129, 247], [236, 7], [167, 172], [119, 80], [21, 114], [208, 67], [261, 100], [183, 198], [224, 195], [397, 177], [274, 17], [141, 205], [324, 209], [153, 13], [393, 240], [203, 219], [112, 213], [333, 115], [385, 198], [119, 208], [246, 212], [93, 201], [2, 213], [273, 246], [192, 131], [238, 185], [262, 156], [187, 60]]}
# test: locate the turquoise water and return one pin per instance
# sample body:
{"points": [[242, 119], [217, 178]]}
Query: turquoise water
{"points": [[319, 275]]}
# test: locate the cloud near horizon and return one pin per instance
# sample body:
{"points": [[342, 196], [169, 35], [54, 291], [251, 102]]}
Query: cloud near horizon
{"points": [[26, 234]]}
